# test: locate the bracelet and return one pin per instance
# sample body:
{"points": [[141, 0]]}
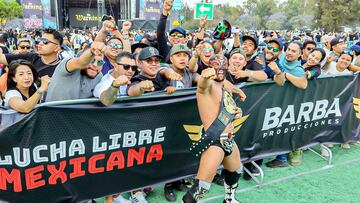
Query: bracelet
{"points": [[39, 92], [113, 86]]}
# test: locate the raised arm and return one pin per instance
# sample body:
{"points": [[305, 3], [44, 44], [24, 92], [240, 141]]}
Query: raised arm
{"points": [[22, 106], [206, 80], [109, 96], [96, 49]]}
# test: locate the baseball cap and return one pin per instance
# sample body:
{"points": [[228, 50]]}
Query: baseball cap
{"points": [[335, 41], [254, 39], [138, 45], [149, 52], [355, 48], [237, 51], [277, 41], [177, 48], [178, 29]]}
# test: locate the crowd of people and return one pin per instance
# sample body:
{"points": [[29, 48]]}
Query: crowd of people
{"points": [[55, 65]]}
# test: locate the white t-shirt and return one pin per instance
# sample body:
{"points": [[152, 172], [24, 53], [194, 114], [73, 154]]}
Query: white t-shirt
{"points": [[333, 71], [105, 83], [9, 119]]}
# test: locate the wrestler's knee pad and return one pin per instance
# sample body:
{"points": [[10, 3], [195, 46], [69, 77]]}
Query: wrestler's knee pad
{"points": [[232, 177], [197, 191]]}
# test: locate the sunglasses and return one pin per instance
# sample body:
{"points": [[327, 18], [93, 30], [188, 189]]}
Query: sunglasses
{"points": [[98, 62], [127, 67], [178, 35], [210, 49], [25, 47], [114, 45], [46, 41], [309, 48], [272, 48]]}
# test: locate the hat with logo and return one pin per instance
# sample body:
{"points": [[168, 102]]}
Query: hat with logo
{"points": [[237, 51], [177, 48], [149, 52], [277, 41], [178, 29], [248, 37], [335, 41]]}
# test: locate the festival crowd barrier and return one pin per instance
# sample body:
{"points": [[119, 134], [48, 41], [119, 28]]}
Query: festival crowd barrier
{"points": [[79, 150]]}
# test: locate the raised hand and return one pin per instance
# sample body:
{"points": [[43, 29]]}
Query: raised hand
{"points": [[98, 48], [167, 7], [208, 73], [45, 80]]}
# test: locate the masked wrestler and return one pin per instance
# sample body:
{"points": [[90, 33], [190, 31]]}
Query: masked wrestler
{"points": [[217, 111]]}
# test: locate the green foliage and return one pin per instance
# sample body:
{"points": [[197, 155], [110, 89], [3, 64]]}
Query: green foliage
{"points": [[10, 9], [329, 15]]}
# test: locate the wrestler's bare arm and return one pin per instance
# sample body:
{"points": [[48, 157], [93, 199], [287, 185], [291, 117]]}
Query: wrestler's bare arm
{"points": [[233, 89], [205, 82]]}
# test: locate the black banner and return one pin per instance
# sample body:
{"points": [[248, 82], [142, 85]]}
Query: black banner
{"points": [[81, 151]]}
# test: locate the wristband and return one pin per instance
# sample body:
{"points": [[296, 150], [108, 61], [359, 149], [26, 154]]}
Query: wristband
{"points": [[39, 92], [113, 86]]}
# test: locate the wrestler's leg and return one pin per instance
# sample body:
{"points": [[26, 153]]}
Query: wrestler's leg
{"points": [[231, 174], [209, 163]]}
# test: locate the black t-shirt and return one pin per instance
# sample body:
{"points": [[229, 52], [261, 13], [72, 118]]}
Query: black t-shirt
{"points": [[201, 66], [159, 82], [35, 59], [5, 50]]}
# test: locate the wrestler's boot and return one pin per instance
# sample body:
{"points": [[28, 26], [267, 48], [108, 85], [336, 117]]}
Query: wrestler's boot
{"points": [[231, 184], [197, 191]]}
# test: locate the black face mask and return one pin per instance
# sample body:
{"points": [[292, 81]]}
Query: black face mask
{"points": [[225, 70]]}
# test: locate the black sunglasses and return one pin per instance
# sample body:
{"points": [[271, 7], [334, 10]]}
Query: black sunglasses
{"points": [[25, 47], [46, 41], [127, 67]]}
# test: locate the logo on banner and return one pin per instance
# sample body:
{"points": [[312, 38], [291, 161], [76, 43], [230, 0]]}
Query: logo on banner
{"points": [[195, 132], [356, 102], [279, 120]]}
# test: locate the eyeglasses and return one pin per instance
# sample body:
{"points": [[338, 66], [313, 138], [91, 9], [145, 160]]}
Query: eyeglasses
{"points": [[25, 47], [178, 35], [127, 66], [309, 48], [272, 48], [114, 45], [98, 62], [210, 49], [46, 41], [151, 61]]}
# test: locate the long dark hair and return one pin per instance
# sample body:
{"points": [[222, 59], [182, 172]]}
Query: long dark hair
{"points": [[11, 84]]}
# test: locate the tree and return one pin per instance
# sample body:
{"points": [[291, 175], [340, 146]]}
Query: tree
{"points": [[261, 8], [10, 9]]}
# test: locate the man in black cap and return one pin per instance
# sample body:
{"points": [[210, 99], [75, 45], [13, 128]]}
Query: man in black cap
{"points": [[337, 46], [176, 36], [151, 78], [249, 45]]}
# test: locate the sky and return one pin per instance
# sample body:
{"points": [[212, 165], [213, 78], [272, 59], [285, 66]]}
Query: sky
{"points": [[231, 2]]}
